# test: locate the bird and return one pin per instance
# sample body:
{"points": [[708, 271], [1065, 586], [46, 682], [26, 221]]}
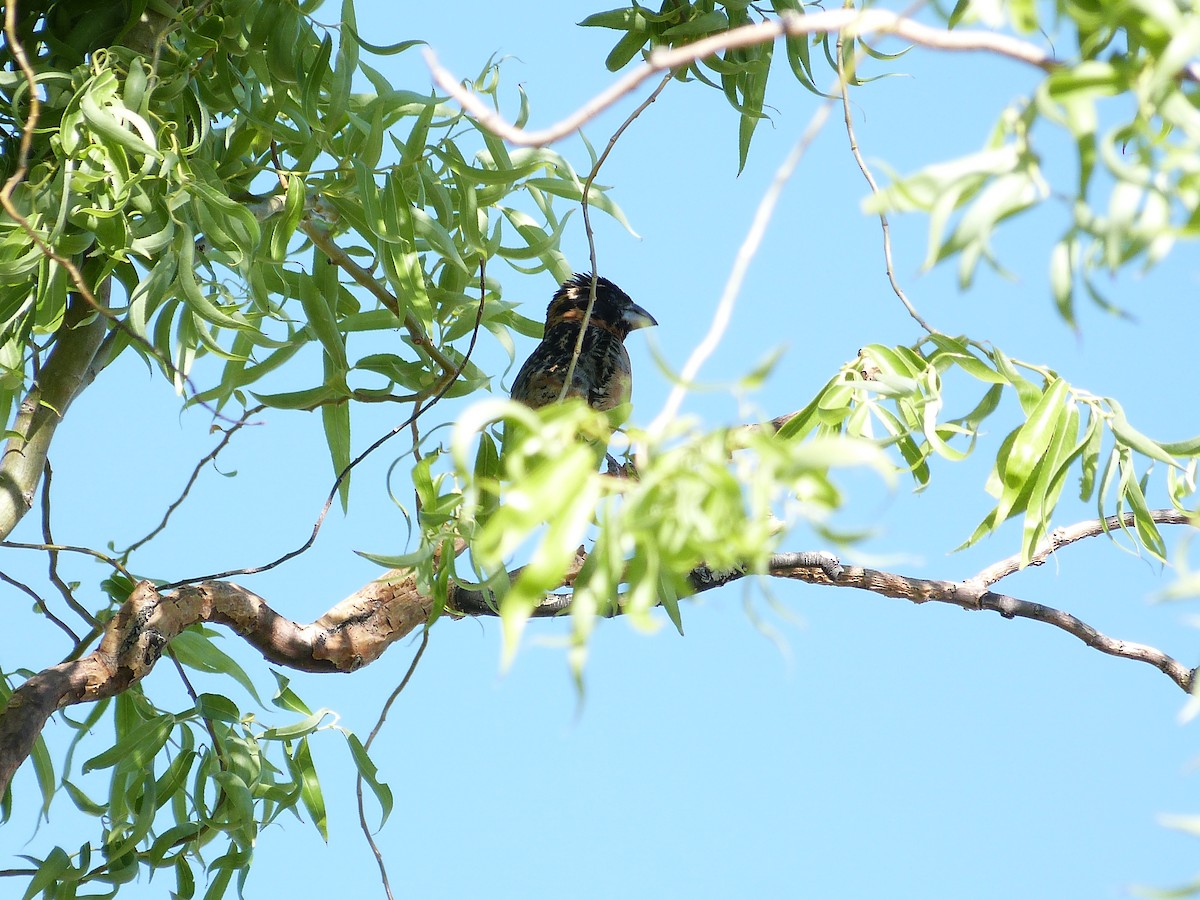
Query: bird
{"points": [[603, 376]]}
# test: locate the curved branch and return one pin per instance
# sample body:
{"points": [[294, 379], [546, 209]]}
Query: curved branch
{"points": [[975, 596], [1060, 537], [67, 371], [849, 22], [352, 634], [358, 630]]}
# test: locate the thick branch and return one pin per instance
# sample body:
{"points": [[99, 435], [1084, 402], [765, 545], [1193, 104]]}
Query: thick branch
{"points": [[356, 631], [67, 371], [849, 22], [352, 634]]}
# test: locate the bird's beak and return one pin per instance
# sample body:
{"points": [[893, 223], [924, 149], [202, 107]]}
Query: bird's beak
{"points": [[635, 317]]}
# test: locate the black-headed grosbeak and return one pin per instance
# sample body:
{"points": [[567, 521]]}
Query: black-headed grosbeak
{"points": [[602, 375]]}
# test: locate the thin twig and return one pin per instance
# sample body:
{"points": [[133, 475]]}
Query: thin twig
{"points": [[1061, 537], [339, 257], [741, 264], [35, 103], [358, 785], [218, 747], [585, 204], [40, 604], [345, 473], [209, 457], [69, 548], [48, 536], [866, 171], [853, 23]]}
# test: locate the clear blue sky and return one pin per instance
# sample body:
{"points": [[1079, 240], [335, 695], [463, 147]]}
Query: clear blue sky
{"points": [[886, 750]]}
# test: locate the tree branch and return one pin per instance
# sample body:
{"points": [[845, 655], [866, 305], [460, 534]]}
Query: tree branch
{"points": [[67, 371], [357, 631], [885, 226], [1060, 537], [416, 333], [849, 22]]}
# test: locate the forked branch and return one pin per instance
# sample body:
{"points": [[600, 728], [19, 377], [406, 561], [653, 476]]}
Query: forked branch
{"points": [[359, 629]]}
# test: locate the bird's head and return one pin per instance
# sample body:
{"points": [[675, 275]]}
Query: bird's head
{"points": [[613, 311]]}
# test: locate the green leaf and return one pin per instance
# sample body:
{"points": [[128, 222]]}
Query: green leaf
{"points": [[370, 774], [1034, 436], [619, 19], [1048, 480], [301, 764], [286, 698], [174, 779], [1144, 524], [43, 768], [49, 872], [700, 26], [300, 728], [1129, 436], [626, 48], [194, 648], [137, 748], [335, 417], [217, 708], [318, 296], [309, 398]]}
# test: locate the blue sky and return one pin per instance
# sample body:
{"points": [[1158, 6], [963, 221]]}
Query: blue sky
{"points": [[881, 749]]}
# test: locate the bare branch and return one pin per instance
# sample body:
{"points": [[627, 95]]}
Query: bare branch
{"points": [[1060, 537], [975, 596], [352, 634], [849, 22], [889, 267], [358, 781], [585, 206], [226, 436], [52, 555]]}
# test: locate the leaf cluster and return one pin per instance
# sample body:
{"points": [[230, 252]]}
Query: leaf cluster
{"points": [[740, 73], [189, 792], [236, 181]]}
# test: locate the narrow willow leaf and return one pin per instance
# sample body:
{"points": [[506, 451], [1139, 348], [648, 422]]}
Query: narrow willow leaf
{"points": [[300, 728], [1034, 436], [286, 698], [370, 774], [196, 650], [137, 748], [310, 791], [335, 418], [1144, 524], [1129, 436], [318, 295], [1041, 497]]}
